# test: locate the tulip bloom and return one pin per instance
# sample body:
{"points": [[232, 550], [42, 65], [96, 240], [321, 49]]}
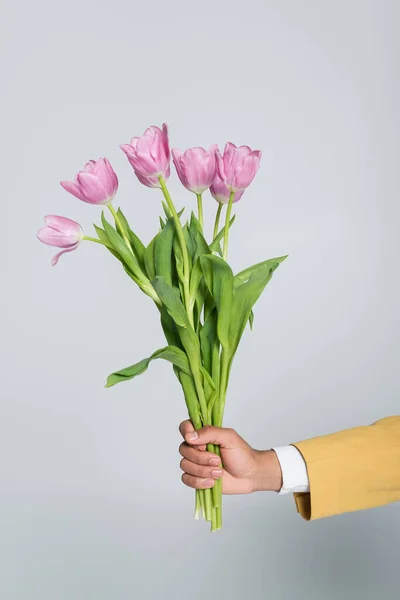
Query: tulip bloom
{"points": [[221, 193], [238, 166], [150, 155], [96, 184], [195, 168], [60, 232]]}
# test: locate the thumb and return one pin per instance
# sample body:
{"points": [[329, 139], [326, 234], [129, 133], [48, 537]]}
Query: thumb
{"points": [[226, 438]]}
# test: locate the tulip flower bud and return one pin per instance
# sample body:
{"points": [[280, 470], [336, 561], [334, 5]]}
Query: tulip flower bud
{"points": [[149, 155], [221, 193], [195, 168], [96, 184], [238, 166], [60, 232]]}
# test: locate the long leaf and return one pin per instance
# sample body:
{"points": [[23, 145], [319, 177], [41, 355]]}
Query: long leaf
{"points": [[171, 299], [219, 280], [208, 337], [163, 252], [174, 355], [245, 275], [120, 247], [215, 244], [149, 258], [201, 246], [246, 295], [136, 243], [101, 234]]}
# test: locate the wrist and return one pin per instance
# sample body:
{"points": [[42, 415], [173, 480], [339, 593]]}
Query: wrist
{"points": [[268, 473]]}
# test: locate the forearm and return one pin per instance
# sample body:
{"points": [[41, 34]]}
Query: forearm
{"points": [[351, 470]]}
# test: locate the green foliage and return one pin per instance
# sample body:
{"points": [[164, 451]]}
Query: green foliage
{"points": [[215, 245], [137, 245], [248, 286], [119, 246], [219, 280], [163, 252], [174, 355]]}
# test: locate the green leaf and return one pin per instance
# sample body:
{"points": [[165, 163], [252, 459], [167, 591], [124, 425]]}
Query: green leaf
{"points": [[179, 265], [163, 252], [200, 245], [219, 280], [166, 209], [101, 234], [120, 247], [162, 223], [169, 328], [195, 278], [191, 399], [208, 386], [171, 298], [249, 287], [149, 258], [136, 243], [251, 320], [174, 355], [245, 275], [190, 244], [215, 244], [208, 337]]}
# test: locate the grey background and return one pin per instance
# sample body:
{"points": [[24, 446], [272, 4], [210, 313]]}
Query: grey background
{"points": [[91, 502]]}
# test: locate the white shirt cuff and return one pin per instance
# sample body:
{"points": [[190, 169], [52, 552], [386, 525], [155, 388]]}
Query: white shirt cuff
{"points": [[294, 470]]}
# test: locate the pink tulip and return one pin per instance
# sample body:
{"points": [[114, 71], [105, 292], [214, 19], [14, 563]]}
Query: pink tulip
{"points": [[60, 232], [152, 182], [195, 168], [221, 193], [96, 184], [149, 155], [238, 166]]}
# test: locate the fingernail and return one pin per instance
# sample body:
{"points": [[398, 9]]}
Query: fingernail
{"points": [[217, 473], [209, 482], [192, 436], [215, 461]]}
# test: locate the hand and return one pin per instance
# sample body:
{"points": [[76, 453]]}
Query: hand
{"points": [[245, 470]]}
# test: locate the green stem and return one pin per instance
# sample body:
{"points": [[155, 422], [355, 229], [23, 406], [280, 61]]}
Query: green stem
{"points": [[185, 256], [120, 225], [218, 415], [218, 524], [227, 219], [217, 218], [202, 503], [91, 239], [208, 505], [200, 209]]}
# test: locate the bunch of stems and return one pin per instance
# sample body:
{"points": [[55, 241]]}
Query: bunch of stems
{"points": [[208, 502]]}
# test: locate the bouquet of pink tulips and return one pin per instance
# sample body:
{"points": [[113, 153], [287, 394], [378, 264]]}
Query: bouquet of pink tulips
{"points": [[203, 307]]}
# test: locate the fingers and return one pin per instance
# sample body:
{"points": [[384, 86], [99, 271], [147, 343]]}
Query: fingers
{"points": [[226, 438], [199, 471], [186, 428], [200, 458], [196, 483]]}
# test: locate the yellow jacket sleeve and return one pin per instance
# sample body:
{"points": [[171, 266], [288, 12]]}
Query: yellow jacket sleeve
{"points": [[351, 470]]}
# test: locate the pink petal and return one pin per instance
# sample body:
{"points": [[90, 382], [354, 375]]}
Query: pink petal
{"points": [[106, 174], [62, 224], [92, 188], [73, 188], [220, 165], [56, 258], [89, 166]]}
